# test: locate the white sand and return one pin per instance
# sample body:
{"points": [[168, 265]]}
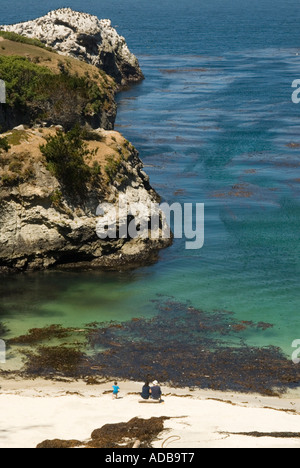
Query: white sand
{"points": [[32, 411]]}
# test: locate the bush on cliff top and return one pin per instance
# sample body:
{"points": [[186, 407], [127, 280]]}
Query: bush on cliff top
{"points": [[65, 154], [35, 92], [4, 145]]}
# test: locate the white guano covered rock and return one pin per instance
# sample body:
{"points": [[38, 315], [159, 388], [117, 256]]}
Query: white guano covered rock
{"points": [[85, 37]]}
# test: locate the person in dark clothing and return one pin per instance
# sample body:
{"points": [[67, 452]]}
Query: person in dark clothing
{"points": [[146, 391], [156, 391]]}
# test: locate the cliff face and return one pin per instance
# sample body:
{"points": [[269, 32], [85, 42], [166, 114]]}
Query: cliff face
{"points": [[43, 223], [84, 37], [43, 226]]}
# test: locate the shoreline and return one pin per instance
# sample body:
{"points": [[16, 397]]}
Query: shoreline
{"points": [[37, 410]]}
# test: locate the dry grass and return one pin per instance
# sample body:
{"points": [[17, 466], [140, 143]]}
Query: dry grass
{"points": [[16, 165]]}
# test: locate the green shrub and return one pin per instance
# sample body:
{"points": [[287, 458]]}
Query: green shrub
{"points": [[4, 145], [38, 92], [10, 179], [65, 153], [112, 166], [56, 198], [22, 79], [15, 137], [96, 169], [15, 166], [91, 135]]}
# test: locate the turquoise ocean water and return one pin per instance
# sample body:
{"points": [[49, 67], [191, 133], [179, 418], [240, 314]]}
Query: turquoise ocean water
{"points": [[214, 123]]}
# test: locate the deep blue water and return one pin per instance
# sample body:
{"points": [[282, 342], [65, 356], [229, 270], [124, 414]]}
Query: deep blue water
{"points": [[214, 123]]}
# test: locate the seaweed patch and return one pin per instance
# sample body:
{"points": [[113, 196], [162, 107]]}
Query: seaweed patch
{"points": [[182, 346], [121, 435], [36, 335]]}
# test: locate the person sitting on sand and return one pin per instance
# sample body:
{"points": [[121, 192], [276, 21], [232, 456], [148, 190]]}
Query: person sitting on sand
{"points": [[146, 391], [116, 389], [156, 391]]}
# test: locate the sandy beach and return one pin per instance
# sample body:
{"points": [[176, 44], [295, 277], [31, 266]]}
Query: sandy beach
{"points": [[36, 410]]}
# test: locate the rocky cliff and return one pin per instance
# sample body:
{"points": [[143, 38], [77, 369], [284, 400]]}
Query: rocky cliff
{"points": [[43, 225], [61, 190], [84, 37]]}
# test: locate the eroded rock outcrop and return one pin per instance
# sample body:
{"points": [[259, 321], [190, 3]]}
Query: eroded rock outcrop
{"points": [[43, 226], [85, 37]]}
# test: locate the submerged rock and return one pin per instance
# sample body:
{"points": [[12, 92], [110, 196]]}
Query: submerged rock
{"points": [[85, 37]]}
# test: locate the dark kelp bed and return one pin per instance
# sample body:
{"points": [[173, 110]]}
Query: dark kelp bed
{"points": [[180, 346]]}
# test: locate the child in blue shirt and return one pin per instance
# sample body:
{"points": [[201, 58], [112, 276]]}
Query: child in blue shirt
{"points": [[116, 389]]}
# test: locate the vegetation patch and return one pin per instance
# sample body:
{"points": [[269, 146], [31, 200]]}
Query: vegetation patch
{"points": [[15, 137], [113, 166], [4, 144], [36, 93], [15, 168], [56, 198], [65, 155]]}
